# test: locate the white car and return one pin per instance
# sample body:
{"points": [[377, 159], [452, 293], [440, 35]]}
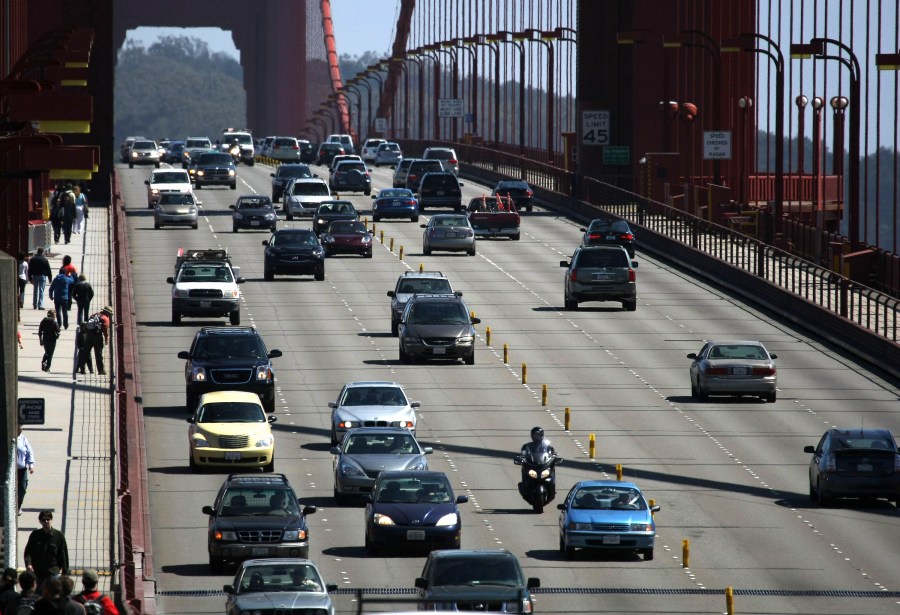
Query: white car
{"points": [[167, 181], [345, 141], [371, 403], [370, 148], [388, 153], [143, 152], [303, 195]]}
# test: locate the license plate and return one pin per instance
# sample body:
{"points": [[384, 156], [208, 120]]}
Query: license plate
{"points": [[864, 467], [739, 371], [205, 304], [610, 238], [601, 277], [254, 222], [415, 534], [450, 235], [610, 540], [440, 350], [295, 258], [231, 456], [259, 551], [440, 193]]}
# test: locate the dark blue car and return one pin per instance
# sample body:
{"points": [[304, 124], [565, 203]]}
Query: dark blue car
{"points": [[413, 509], [395, 203]]}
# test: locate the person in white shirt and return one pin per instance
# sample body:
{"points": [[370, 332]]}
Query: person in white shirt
{"points": [[81, 212], [24, 464]]}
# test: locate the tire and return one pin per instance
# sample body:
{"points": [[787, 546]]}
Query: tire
{"points": [[405, 358], [367, 192], [130, 166], [648, 555], [288, 215], [375, 218], [471, 252], [235, 318], [538, 505], [275, 197], [470, 360], [250, 163], [694, 392], [157, 165], [156, 226], [319, 275], [368, 254], [630, 306], [812, 493], [426, 251], [234, 229], [334, 438], [516, 237], [233, 186], [274, 228], [529, 208], [268, 274], [771, 398], [190, 402], [176, 318], [395, 328], [216, 565], [194, 226], [340, 499], [269, 405], [195, 469], [197, 185], [414, 218], [701, 394], [371, 549], [822, 499], [570, 304], [567, 552]]}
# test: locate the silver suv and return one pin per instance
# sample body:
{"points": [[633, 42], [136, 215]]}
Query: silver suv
{"points": [[401, 171], [600, 273], [412, 282], [447, 156]]}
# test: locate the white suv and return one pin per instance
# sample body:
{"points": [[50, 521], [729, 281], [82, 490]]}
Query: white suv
{"points": [[447, 156], [345, 141], [370, 148], [303, 195], [167, 181]]}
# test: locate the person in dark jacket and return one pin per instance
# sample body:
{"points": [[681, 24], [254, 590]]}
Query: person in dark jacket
{"points": [[48, 333], [95, 340], [9, 595], [28, 583], [55, 602], [83, 294], [40, 272], [59, 293], [68, 212], [46, 552], [56, 211]]}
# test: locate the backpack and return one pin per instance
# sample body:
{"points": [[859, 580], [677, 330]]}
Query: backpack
{"points": [[92, 323], [94, 606], [26, 604]]}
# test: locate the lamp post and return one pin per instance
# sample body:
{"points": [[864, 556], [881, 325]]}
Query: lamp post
{"points": [[372, 71], [745, 104], [747, 42], [350, 87], [546, 39], [360, 81], [430, 52], [516, 40], [448, 48], [399, 63], [666, 106], [467, 44], [320, 122], [801, 101], [488, 41], [816, 48], [411, 57]]}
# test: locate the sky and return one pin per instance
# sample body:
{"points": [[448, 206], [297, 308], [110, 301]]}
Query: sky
{"points": [[355, 31]]}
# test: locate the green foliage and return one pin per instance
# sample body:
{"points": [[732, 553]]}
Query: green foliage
{"points": [[176, 88]]}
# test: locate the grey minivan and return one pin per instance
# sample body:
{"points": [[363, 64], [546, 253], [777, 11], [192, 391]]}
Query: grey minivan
{"points": [[600, 273]]}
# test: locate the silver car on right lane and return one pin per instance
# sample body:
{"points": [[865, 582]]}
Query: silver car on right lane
{"points": [[726, 367], [449, 232]]}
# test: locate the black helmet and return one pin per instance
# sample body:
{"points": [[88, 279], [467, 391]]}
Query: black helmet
{"points": [[537, 434]]}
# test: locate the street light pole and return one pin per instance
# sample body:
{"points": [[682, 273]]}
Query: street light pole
{"points": [[488, 41], [448, 48], [666, 106], [351, 88], [410, 55], [372, 71], [515, 39], [546, 39], [467, 43], [430, 52]]}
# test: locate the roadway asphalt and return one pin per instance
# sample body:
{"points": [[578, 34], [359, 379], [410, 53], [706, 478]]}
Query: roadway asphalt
{"points": [[74, 466]]}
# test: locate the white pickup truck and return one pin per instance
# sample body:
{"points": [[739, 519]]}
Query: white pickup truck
{"points": [[167, 181], [205, 284]]}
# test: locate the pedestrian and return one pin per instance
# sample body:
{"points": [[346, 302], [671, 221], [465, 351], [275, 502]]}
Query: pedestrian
{"points": [[82, 350], [46, 552], [40, 272], [96, 334], [21, 347], [83, 293], [68, 208], [27, 596], [53, 600], [48, 333], [68, 268], [56, 211], [23, 277], [59, 293], [91, 595], [24, 466], [68, 584], [9, 595], [81, 209]]}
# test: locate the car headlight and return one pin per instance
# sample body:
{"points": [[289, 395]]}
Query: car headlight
{"points": [[579, 526], [270, 216], [348, 469], [412, 340], [465, 340], [134, 154], [192, 209], [154, 191], [230, 172], [346, 424], [448, 519], [200, 172], [421, 464], [231, 294], [263, 372], [641, 527], [320, 221], [367, 239], [319, 252], [382, 519], [226, 535], [198, 374], [265, 442], [545, 473], [532, 473], [200, 442], [293, 535], [238, 216]]}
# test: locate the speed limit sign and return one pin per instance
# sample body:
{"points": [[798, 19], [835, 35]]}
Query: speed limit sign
{"points": [[595, 127]]}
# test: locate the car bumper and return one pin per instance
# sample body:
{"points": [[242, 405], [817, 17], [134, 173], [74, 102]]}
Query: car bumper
{"points": [[144, 160], [421, 350], [353, 485], [205, 307], [306, 266], [240, 551], [214, 181], [625, 292], [599, 540], [861, 487], [173, 219], [415, 537], [285, 157], [736, 386], [396, 212], [512, 231], [338, 249], [252, 224], [240, 458], [452, 245]]}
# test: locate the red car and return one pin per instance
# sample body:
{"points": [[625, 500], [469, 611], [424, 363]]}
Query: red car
{"points": [[347, 237]]}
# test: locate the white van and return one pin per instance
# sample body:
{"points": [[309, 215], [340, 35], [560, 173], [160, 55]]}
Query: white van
{"points": [[346, 142]]}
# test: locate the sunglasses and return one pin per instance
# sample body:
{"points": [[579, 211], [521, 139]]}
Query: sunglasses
{"points": [[43, 519]]}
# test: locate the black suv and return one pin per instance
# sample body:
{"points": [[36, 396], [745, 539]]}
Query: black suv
{"points": [[229, 359], [476, 580], [284, 174], [418, 168], [295, 251], [256, 515], [440, 189], [437, 327], [215, 169]]}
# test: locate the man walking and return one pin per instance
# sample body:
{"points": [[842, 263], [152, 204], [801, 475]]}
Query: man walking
{"points": [[40, 272], [48, 333], [68, 212], [46, 552], [83, 294], [96, 336], [56, 211], [91, 595], [59, 293], [24, 465]]}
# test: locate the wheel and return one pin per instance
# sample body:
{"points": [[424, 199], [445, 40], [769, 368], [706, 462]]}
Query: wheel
{"points": [[233, 186], [197, 185], [156, 225], [471, 252], [516, 237], [194, 226], [371, 549], [630, 306], [470, 360], [426, 251], [822, 498], [289, 215], [216, 565], [190, 402], [770, 398], [250, 163], [334, 438], [176, 318], [571, 304], [157, 165], [529, 208], [319, 275], [130, 165], [568, 552], [812, 493], [268, 274], [395, 328], [648, 555], [270, 467], [234, 229], [235, 317], [368, 254], [274, 228], [275, 197], [538, 505], [195, 469], [405, 358], [694, 392], [414, 218], [701, 394], [269, 405], [340, 499], [376, 218], [367, 192]]}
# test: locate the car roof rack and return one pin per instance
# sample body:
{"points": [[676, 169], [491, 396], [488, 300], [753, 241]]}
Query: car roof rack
{"points": [[205, 254]]}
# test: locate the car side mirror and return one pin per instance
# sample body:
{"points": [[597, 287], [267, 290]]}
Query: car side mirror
{"points": [[309, 510], [422, 226], [692, 355], [331, 587], [634, 264], [654, 508], [475, 321], [809, 449], [228, 589], [265, 242], [773, 356], [335, 450], [231, 207], [190, 420], [517, 460], [533, 583], [462, 499], [564, 264], [583, 230], [170, 280], [458, 293], [461, 184], [208, 510], [374, 196], [427, 450], [368, 498], [421, 583], [560, 506], [146, 182], [415, 404], [391, 293], [271, 175], [558, 459], [332, 404], [274, 353], [184, 354], [240, 281]]}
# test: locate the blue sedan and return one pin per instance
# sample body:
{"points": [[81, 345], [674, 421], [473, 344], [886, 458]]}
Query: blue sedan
{"points": [[395, 203], [605, 514], [413, 509]]}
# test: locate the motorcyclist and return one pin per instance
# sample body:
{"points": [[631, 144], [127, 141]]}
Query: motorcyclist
{"points": [[536, 452]]}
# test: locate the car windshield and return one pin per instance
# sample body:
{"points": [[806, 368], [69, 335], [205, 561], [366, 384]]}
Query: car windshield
{"points": [[259, 501], [373, 396], [213, 347], [347, 227], [380, 444], [280, 578], [438, 313], [512, 186], [395, 193], [737, 351], [254, 203], [616, 257], [243, 139], [176, 199], [450, 221], [215, 159], [440, 154], [198, 143], [605, 498], [432, 286], [603, 225], [350, 166], [414, 490], [388, 147], [293, 239], [290, 170], [144, 145], [170, 177], [404, 165], [231, 412], [476, 571], [309, 189], [335, 208], [281, 142], [200, 272], [441, 182]]}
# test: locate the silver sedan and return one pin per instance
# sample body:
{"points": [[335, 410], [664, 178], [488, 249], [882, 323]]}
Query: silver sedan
{"points": [[450, 232], [733, 368], [176, 210]]}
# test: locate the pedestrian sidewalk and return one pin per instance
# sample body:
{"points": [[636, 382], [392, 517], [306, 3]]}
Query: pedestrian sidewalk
{"points": [[74, 465]]}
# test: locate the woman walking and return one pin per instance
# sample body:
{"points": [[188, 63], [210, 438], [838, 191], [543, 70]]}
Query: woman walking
{"points": [[81, 209]]}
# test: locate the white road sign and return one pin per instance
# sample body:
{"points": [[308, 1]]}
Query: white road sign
{"points": [[450, 107], [595, 127], [381, 124], [716, 145]]}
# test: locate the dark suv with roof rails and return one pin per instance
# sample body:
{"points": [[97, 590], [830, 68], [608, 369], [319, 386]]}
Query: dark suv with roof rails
{"points": [[256, 515], [226, 359]]}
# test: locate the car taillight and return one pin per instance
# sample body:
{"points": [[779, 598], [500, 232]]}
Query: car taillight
{"points": [[717, 371], [631, 276], [594, 236], [830, 464], [764, 371], [627, 236], [452, 161], [296, 147], [410, 202], [573, 275], [410, 177], [529, 193]]}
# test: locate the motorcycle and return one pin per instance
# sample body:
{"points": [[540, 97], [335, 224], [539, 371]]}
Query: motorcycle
{"points": [[235, 150], [538, 486]]}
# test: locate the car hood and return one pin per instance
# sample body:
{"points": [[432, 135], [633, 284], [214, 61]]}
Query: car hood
{"points": [[373, 413], [609, 516], [333, 217], [309, 198], [204, 285], [377, 463], [422, 514], [267, 601], [438, 330], [253, 431], [293, 249], [260, 522], [172, 187]]}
